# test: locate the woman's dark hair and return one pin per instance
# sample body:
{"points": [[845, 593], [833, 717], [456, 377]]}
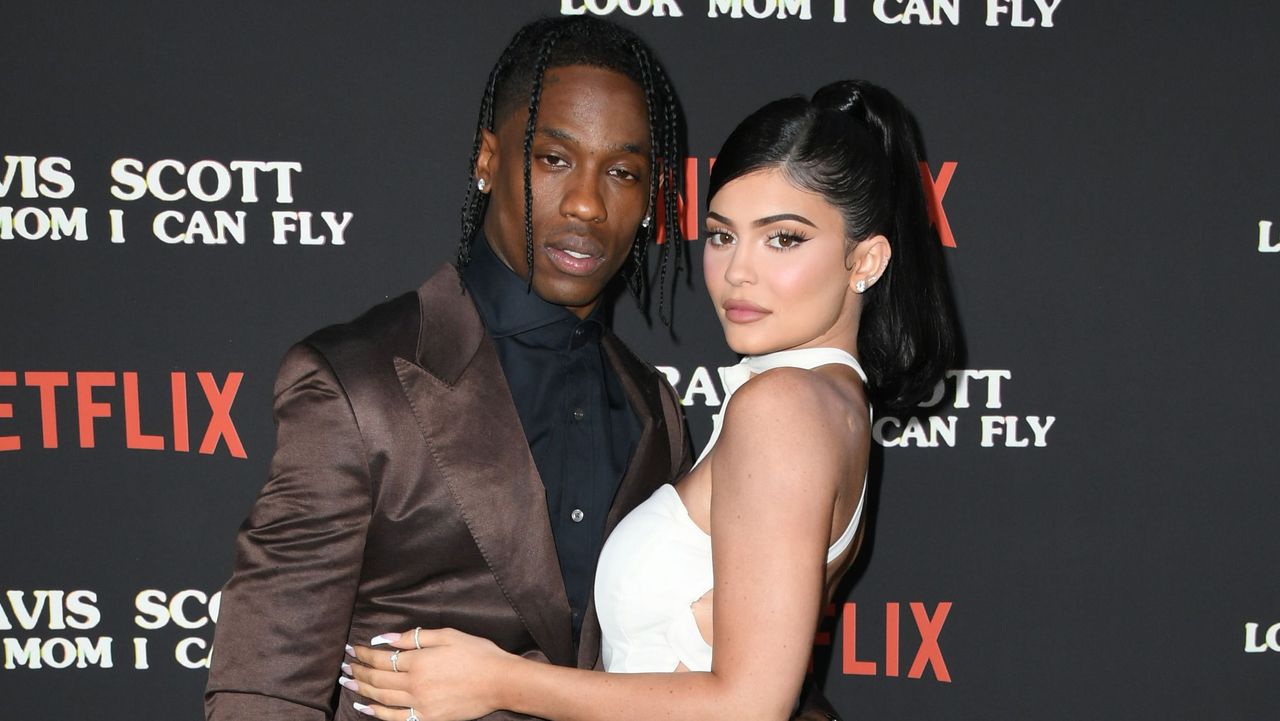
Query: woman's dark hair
{"points": [[857, 146], [515, 83]]}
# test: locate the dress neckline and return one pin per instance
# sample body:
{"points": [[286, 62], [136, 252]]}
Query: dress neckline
{"points": [[807, 358]]}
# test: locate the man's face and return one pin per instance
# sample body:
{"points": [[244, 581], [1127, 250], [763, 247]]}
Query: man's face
{"points": [[590, 177]]}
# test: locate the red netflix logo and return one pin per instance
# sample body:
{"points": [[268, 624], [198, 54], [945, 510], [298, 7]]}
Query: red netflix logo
{"points": [[89, 388], [935, 189], [928, 654]]}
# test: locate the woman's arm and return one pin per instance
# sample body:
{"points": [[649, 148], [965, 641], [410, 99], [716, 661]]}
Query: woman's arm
{"points": [[785, 447]]}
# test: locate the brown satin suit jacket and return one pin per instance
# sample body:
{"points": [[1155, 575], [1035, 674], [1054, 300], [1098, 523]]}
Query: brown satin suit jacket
{"points": [[402, 493]]}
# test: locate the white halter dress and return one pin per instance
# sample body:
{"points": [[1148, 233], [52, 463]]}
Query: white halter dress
{"points": [[657, 562]]}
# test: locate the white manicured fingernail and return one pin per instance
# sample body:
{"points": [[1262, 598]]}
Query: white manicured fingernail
{"points": [[366, 710], [346, 668], [348, 683], [350, 651], [384, 639]]}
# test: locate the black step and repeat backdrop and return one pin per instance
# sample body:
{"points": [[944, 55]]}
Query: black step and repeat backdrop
{"points": [[1080, 524]]}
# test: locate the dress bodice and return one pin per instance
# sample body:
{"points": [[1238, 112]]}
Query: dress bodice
{"points": [[657, 562]]}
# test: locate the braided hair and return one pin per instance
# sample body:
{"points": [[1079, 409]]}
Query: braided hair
{"points": [[516, 82]]}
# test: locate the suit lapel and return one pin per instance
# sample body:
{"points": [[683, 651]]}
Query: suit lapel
{"points": [[464, 410], [649, 468], [650, 464]]}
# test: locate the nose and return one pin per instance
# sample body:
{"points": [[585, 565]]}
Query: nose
{"points": [[583, 200], [741, 268]]}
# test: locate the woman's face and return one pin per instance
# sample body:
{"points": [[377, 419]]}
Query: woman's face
{"points": [[775, 266]]}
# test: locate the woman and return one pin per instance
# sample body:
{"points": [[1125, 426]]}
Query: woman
{"points": [[821, 265]]}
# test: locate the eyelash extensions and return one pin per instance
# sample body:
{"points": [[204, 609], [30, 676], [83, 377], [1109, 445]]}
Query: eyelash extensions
{"points": [[780, 240]]}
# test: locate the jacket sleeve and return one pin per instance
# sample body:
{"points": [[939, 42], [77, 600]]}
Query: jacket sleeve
{"points": [[286, 612]]}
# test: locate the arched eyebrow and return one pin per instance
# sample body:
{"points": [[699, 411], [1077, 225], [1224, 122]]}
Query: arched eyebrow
{"points": [[767, 220]]}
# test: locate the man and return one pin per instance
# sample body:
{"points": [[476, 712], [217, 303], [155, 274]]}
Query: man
{"points": [[456, 456]]}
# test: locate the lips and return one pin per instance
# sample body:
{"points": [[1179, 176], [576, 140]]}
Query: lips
{"points": [[574, 253], [743, 311]]}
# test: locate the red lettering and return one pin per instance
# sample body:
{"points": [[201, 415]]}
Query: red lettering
{"points": [[87, 408], [134, 437], [891, 639], [686, 203], [689, 206], [47, 382], [935, 189], [9, 443], [220, 425], [929, 653], [849, 653], [822, 638], [181, 430]]}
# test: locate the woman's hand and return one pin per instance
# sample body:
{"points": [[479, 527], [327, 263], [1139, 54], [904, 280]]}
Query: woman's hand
{"points": [[447, 675]]}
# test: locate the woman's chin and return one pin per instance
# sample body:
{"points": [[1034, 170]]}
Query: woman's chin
{"points": [[749, 345]]}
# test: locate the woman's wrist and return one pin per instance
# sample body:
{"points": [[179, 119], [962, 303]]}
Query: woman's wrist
{"points": [[502, 681]]}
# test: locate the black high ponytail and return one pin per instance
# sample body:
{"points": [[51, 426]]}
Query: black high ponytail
{"points": [[858, 147]]}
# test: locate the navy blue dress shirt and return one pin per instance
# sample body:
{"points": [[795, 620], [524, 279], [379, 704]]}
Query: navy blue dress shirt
{"points": [[574, 412]]}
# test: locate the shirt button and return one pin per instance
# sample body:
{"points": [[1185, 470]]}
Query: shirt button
{"points": [[577, 515], [579, 414], [578, 331]]}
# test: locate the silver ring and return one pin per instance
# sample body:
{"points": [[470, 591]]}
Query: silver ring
{"points": [[413, 716], [416, 645], [395, 658]]}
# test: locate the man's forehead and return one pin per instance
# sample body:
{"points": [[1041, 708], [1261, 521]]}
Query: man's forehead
{"points": [[575, 78], [577, 100]]}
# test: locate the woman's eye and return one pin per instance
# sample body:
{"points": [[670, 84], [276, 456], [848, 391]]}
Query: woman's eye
{"points": [[719, 237], [785, 240]]}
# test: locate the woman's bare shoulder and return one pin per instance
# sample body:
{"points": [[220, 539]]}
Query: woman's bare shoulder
{"points": [[803, 419], [804, 398]]}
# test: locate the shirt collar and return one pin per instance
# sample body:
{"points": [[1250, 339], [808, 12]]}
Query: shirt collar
{"points": [[509, 308]]}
